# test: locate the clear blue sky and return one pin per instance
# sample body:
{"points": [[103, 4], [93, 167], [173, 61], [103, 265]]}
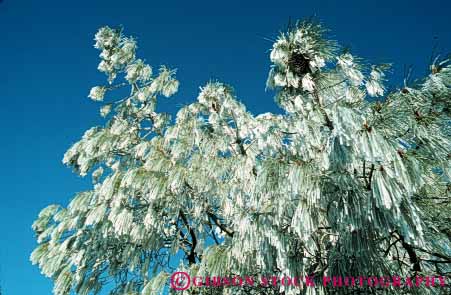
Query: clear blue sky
{"points": [[48, 65]]}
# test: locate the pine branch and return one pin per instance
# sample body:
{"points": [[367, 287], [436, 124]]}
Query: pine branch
{"points": [[329, 123], [192, 254], [412, 254], [220, 225]]}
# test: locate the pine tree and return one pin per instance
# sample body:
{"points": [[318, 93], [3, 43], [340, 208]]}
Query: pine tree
{"points": [[351, 180]]}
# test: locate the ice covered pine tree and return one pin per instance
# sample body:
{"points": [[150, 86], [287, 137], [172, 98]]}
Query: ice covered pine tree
{"points": [[336, 185]]}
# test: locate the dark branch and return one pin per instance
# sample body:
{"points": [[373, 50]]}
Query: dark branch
{"points": [[220, 225], [192, 254], [412, 254]]}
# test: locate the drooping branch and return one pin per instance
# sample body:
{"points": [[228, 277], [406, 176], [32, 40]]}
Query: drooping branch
{"points": [[329, 123], [192, 254], [412, 254], [220, 225]]}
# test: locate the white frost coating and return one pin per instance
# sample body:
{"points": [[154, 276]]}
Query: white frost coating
{"points": [[332, 183]]}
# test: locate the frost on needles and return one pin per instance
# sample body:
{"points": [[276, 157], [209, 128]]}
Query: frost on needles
{"points": [[337, 185]]}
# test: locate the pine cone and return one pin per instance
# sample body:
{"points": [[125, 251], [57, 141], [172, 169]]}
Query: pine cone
{"points": [[299, 64]]}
